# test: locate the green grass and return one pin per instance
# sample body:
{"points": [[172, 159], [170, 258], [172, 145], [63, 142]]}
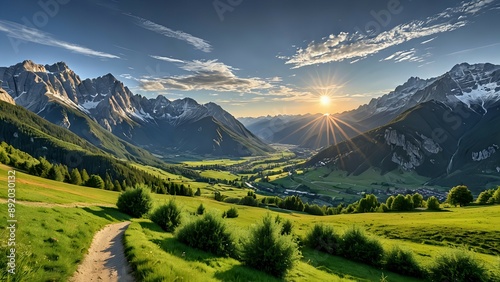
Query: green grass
{"points": [[156, 254], [36, 189], [217, 174], [55, 240]]}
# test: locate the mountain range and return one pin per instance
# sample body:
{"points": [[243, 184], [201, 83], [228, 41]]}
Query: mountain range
{"points": [[443, 128], [463, 83], [107, 114]]}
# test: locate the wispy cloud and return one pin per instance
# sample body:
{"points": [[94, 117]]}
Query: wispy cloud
{"points": [[473, 49], [167, 59], [407, 56], [34, 35], [344, 46], [198, 43], [427, 41]]}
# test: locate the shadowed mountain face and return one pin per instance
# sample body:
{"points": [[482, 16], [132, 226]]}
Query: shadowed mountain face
{"points": [[99, 108], [445, 130]]}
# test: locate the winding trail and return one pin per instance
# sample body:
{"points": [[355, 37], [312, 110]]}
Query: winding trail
{"points": [[106, 260]]}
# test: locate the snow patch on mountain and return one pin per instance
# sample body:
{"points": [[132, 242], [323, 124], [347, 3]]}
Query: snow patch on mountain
{"points": [[485, 153]]}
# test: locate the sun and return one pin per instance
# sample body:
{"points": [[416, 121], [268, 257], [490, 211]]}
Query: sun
{"points": [[324, 100]]}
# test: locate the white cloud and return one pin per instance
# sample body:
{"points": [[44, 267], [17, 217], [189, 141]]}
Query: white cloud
{"points": [[204, 75], [29, 34], [355, 46], [411, 55], [428, 40], [166, 59], [196, 42]]}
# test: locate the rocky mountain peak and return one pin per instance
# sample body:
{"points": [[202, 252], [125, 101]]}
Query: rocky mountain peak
{"points": [[30, 66], [57, 67]]}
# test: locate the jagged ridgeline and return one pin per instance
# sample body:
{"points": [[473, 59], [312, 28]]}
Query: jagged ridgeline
{"points": [[443, 128], [106, 113]]}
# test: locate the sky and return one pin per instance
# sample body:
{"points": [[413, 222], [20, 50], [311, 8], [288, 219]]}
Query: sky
{"points": [[254, 57]]}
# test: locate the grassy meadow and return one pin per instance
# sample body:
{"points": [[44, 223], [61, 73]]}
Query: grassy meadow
{"points": [[53, 240]]}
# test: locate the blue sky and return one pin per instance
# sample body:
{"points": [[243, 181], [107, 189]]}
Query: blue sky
{"points": [[254, 57]]}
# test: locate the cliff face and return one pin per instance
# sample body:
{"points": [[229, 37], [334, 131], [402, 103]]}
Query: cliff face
{"points": [[413, 152], [4, 96]]}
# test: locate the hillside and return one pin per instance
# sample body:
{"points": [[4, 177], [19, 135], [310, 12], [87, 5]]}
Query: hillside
{"points": [[65, 221]]}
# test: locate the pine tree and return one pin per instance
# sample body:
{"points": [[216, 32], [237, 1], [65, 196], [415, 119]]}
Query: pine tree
{"points": [[85, 176], [54, 173], [95, 181], [117, 186], [76, 177]]}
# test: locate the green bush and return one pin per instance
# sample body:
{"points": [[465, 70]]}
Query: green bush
{"points": [[232, 213], [168, 216], [232, 200], [267, 250], [485, 196], [208, 233], [135, 202], [200, 210], [323, 238], [313, 209], [402, 262], [249, 201], [458, 266], [496, 195], [383, 208], [356, 245], [433, 204], [286, 227]]}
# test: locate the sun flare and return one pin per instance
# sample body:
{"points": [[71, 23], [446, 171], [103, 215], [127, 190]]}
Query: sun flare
{"points": [[324, 100]]}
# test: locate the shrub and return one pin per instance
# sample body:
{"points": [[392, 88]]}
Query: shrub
{"points": [[218, 196], [356, 245], [232, 213], [383, 208], [269, 251], [286, 227], [496, 195], [485, 196], [135, 202], [198, 192], [313, 209], [323, 238], [458, 266], [209, 234], [168, 216], [402, 262], [389, 201], [433, 204], [232, 200], [200, 210], [249, 201]]}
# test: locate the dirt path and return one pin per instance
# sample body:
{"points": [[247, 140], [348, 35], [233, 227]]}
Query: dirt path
{"points": [[105, 260]]}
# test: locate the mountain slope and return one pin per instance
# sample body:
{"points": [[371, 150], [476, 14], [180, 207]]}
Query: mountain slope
{"points": [[36, 136], [447, 136], [56, 93], [469, 84]]}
